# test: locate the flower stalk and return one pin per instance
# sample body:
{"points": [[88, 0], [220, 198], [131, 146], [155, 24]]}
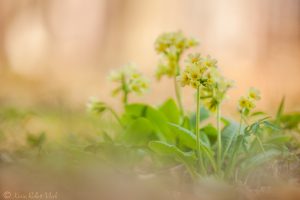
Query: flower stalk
{"points": [[219, 158], [178, 96], [129, 80], [197, 133]]}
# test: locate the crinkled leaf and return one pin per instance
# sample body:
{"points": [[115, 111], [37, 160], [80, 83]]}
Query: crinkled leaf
{"points": [[188, 138], [139, 132], [280, 109], [211, 132], [185, 136], [229, 134], [170, 110], [158, 120], [164, 149]]}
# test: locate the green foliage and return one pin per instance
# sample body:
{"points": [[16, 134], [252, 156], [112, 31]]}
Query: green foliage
{"points": [[227, 151], [157, 119], [139, 132], [229, 136], [204, 142], [171, 111]]}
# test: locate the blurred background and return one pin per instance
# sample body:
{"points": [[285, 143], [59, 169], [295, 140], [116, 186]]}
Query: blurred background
{"points": [[59, 52]]}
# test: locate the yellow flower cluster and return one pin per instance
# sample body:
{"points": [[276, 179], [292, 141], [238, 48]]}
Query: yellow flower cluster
{"points": [[202, 72], [199, 71], [246, 104], [130, 80], [173, 42], [171, 46]]}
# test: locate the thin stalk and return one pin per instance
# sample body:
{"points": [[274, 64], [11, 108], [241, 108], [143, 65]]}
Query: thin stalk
{"points": [[125, 98], [177, 88], [115, 115], [178, 96], [219, 138], [240, 126], [197, 131], [125, 90]]}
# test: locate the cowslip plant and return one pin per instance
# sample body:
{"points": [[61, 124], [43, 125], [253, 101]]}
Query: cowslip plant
{"points": [[129, 81], [201, 73], [170, 47], [245, 106]]}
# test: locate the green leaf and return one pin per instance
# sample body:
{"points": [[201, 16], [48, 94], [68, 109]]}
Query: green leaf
{"points": [[204, 139], [204, 114], [260, 159], [229, 134], [164, 149], [280, 109], [170, 110], [188, 138], [139, 133], [290, 121], [157, 119], [185, 136], [186, 123], [258, 113], [211, 132], [271, 125]]}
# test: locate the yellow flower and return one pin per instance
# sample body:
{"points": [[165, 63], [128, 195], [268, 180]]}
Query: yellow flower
{"points": [[130, 80], [195, 84], [195, 74], [115, 76], [171, 46], [254, 94], [184, 79], [246, 104], [209, 62], [138, 85], [194, 58], [191, 42], [243, 102]]}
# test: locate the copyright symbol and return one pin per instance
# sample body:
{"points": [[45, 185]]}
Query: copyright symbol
{"points": [[6, 195]]}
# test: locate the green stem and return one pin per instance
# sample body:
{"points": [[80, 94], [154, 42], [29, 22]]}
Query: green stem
{"points": [[177, 88], [219, 138], [178, 96], [240, 125], [115, 115], [125, 90], [125, 98], [197, 131]]}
